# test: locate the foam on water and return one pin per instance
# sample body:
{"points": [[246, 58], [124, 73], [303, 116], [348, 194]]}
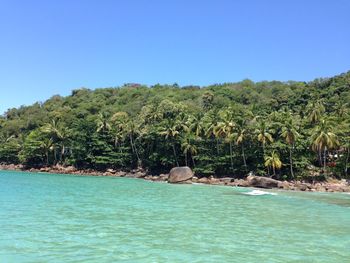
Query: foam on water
{"points": [[259, 192]]}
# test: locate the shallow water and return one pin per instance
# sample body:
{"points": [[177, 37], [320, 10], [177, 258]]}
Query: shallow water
{"points": [[62, 218]]}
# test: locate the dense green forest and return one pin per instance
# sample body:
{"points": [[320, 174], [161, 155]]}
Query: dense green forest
{"points": [[282, 129]]}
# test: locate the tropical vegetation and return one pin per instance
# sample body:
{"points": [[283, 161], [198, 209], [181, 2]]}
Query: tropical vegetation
{"points": [[280, 129]]}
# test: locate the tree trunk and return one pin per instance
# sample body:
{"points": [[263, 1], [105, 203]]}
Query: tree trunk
{"points": [[268, 168], [62, 153], [134, 150], [55, 155], [274, 171], [47, 157], [244, 160], [324, 158], [319, 153], [174, 150], [231, 157], [194, 164], [263, 148], [346, 161], [186, 159], [217, 146], [291, 161]]}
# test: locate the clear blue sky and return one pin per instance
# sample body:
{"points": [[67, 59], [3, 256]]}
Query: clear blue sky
{"points": [[52, 47]]}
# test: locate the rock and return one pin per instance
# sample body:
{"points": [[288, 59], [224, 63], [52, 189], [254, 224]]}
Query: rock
{"points": [[120, 174], [284, 185], [320, 188], [262, 182], [335, 188], [163, 177], [195, 179], [111, 171], [137, 174], [69, 169], [226, 180], [301, 187], [45, 169], [203, 180], [148, 177], [240, 182], [180, 174], [214, 181], [186, 182]]}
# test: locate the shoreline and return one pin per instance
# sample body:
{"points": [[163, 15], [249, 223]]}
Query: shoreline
{"points": [[331, 185]]}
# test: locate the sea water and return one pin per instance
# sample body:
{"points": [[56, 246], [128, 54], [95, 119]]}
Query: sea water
{"points": [[66, 218]]}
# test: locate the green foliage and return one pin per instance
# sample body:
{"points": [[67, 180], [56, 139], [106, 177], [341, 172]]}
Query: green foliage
{"points": [[228, 129]]}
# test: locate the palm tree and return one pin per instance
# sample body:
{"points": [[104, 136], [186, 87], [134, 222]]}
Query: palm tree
{"points": [[59, 135], [263, 134], [324, 139], [240, 135], [102, 122], [315, 111], [290, 135], [195, 125], [224, 129], [171, 130], [47, 146], [209, 123], [341, 109], [189, 147], [6, 138], [126, 127], [273, 161]]}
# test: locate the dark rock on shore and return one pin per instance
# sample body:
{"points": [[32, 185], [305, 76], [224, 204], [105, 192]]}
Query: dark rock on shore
{"points": [[185, 175], [180, 174], [262, 182]]}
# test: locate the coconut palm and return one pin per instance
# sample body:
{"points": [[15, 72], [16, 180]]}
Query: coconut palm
{"points": [[195, 125], [209, 123], [189, 148], [241, 135], [315, 111], [103, 124], [290, 135], [324, 139], [125, 127], [6, 138], [273, 161], [341, 109], [171, 130], [47, 146], [59, 135], [264, 134], [225, 129]]}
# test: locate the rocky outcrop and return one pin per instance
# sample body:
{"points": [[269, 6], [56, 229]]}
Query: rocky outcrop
{"points": [[13, 167], [262, 182], [180, 174], [203, 180], [185, 175], [240, 182]]}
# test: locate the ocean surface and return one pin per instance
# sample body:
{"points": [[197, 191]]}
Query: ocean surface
{"points": [[64, 218]]}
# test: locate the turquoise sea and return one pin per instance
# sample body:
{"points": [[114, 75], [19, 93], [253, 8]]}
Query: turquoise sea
{"points": [[64, 218]]}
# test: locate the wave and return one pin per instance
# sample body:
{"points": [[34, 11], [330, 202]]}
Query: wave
{"points": [[259, 192]]}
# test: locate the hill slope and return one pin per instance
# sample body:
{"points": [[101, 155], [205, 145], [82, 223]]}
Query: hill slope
{"points": [[279, 128]]}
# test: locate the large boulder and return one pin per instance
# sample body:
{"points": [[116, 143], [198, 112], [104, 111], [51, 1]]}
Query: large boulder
{"points": [[180, 174], [262, 182]]}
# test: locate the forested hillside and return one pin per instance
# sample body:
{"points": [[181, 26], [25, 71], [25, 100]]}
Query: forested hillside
{"points": [[283, 129]]}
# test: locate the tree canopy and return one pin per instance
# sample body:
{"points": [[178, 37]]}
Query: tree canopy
{"points": [[269, 128]]}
